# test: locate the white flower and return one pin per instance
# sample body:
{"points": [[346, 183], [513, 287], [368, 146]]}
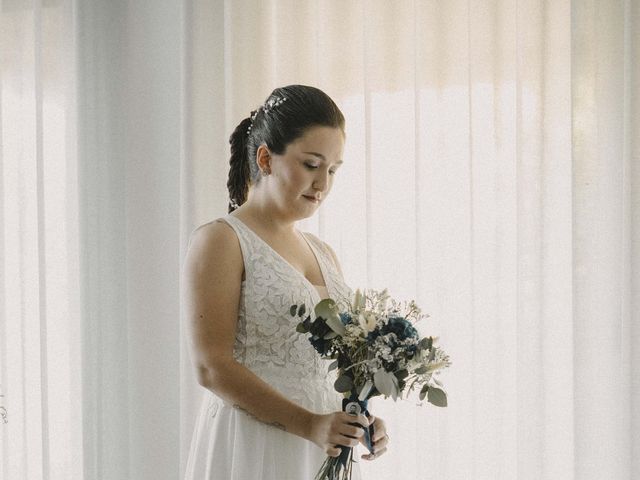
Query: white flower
{"points": [[358, 301], [367, 321]]}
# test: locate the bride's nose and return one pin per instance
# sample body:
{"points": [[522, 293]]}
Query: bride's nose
{"points": [[321, 181]]}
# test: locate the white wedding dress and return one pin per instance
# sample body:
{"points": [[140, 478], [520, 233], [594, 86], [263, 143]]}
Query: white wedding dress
{"points": [[229, 444]]}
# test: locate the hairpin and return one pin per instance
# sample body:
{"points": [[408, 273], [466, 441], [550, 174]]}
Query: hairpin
{"points": [[268, 106], [253, 117], [273, 103]]}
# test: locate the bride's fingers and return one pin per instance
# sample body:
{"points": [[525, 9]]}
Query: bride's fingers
{"points": [[376, 454], [345, 440], [360, 419], [333, 451], [380, 442], [352, 429]]}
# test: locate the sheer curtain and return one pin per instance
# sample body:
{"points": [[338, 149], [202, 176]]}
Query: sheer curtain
{"points": [[40, 390], [491, 173]]}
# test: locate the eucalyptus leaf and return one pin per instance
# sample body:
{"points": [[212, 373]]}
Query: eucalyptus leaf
{"points": [[301, 328], [426, 343], [335, 324], [395, 392], [385, 382], [343, 384], [437, 397], [423, 392], [302, 310], [293, 310], [421, 369], [401, 374], [326, 309], [333, 365]]}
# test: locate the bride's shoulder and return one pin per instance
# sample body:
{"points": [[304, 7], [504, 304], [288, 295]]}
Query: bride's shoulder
{"points": [[215, 235]]}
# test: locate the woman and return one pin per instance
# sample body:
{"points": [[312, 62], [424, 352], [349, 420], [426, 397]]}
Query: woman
{"points": [[270, 410]]}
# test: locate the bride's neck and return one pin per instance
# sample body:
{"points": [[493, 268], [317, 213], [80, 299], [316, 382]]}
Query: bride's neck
{"points": [[266, 218]]}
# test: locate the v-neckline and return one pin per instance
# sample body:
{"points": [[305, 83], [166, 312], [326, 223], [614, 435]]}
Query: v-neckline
{"points": [[286, 262]]}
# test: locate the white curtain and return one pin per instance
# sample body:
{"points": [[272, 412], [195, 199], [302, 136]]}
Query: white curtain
{"points": [[40, 384], [492, 172]]}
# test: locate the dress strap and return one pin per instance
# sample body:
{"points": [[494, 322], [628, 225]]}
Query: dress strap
{"points": [[246, 246]]}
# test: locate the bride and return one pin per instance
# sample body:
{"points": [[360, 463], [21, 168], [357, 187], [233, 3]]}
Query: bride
{"points": [[269, 410]]}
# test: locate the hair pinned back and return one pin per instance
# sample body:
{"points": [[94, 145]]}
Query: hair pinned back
{"points": [[284, 117]]}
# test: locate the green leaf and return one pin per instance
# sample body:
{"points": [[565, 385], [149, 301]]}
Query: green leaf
{"points": [[301, 328], [386, 383], [437, 397], [302, 310], [325, 308], [343, 384], [421, 369], [333, 365], [401, 374], [432, 355], [293, 309], [423, 392], [336, 325], [426, 343]]}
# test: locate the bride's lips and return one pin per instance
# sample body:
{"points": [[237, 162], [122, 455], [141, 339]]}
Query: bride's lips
{"points": [[312, 199]]}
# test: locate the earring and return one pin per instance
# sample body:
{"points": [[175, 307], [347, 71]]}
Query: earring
{"points": [[266, 172]]}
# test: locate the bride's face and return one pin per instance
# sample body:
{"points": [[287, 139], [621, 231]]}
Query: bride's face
{"points": [[302, 177]]}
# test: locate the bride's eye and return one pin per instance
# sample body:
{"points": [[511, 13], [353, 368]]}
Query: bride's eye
{"points": [[311, 166]]}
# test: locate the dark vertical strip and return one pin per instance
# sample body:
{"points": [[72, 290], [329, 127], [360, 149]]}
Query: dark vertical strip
{"points": [[42, 261], [89, 91], [416, 183], [367, 146], [185, 192], [542, 192], [630, 242], [518, 158], [3, 334], [471, 226], [417, 151], [318, 76]]}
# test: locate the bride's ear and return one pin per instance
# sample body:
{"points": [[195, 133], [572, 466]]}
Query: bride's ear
{"points": [[263, 158]]}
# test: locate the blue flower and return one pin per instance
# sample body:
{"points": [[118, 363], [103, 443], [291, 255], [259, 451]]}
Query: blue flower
{"points": [[401, 327]]}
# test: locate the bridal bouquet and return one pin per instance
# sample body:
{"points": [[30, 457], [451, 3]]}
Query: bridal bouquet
{"points": [[377, 351]]}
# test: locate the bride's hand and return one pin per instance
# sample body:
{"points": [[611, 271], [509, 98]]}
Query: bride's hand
{"points": [[333, 429], [380, 438]]}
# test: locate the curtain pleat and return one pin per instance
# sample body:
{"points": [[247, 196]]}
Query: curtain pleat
{"points": [[602, 436], [40, 332]]}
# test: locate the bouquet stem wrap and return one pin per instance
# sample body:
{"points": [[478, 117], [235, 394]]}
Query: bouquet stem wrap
{"points": [[354, 406], [339, 468]]}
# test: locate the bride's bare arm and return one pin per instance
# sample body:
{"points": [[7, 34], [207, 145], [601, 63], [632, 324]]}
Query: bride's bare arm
{"points": [[212, 277]]}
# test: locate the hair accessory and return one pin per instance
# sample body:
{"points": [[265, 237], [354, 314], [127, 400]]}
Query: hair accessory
{"points": [[253, 117], [267, 108], [273, 103], [233, 203]]}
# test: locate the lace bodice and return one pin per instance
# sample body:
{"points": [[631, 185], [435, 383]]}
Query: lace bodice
{"points": [[266, 339]]}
